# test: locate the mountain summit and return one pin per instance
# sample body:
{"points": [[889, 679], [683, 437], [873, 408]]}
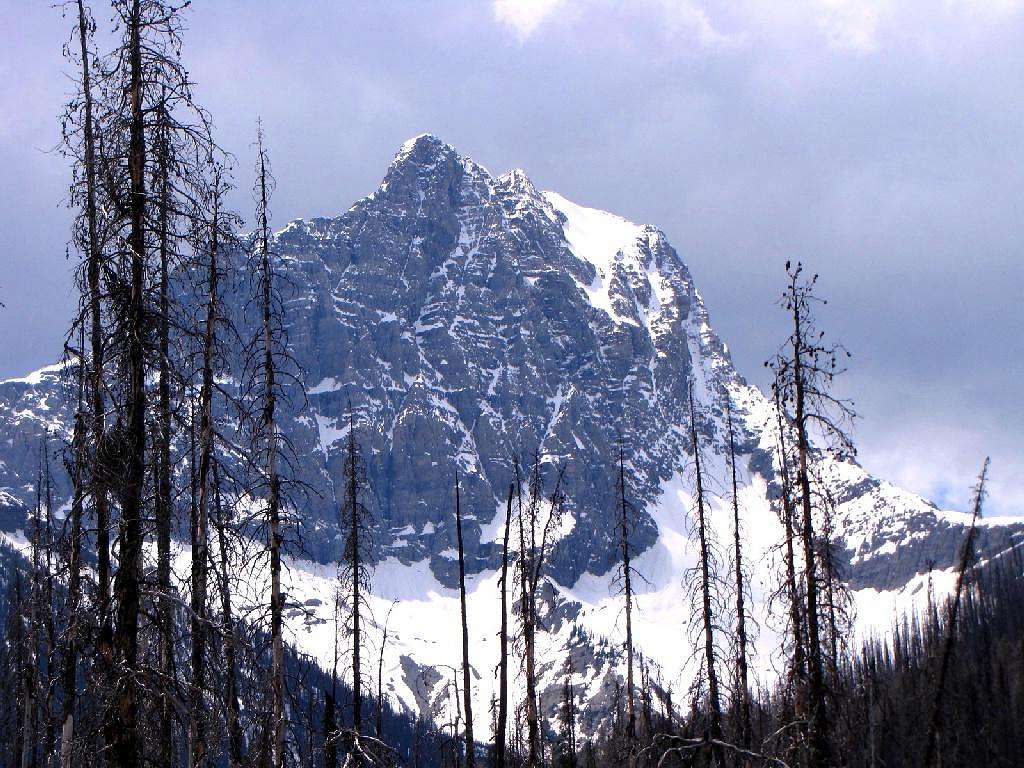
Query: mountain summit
{"points": [[474, 322]]}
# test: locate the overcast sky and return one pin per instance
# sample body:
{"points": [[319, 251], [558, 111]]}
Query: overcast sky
{"points": [[880, 141]]}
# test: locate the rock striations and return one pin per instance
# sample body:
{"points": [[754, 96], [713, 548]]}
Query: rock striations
{"points": [[473, 322]]}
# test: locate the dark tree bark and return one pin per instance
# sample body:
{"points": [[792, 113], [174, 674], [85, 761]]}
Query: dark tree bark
{"points": [[526, 611], [230, 640], [466, 689], [200, 523], [355, 554], [707, 611], [931, 755], [331, 699], [94, 261], [794, 600], [568, 746], [532, 559], [122, 726], [804, 372], [273, 480], [500, 738], [330, 732], [30, 665], [163, 501], [69, 665], [816, 675], [380, 674], [627, 589], [742, 693], [354, 575]]}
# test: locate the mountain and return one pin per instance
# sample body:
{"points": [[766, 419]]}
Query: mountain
{"points": [[473, 321]]}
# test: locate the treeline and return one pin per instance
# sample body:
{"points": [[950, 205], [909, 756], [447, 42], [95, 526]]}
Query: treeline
{"points": [[885, 697]]}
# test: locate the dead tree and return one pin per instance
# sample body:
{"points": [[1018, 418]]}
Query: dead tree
{"points": [[72, 607], [466, 688], [221, 521], [163, 502], [501, 718], [354, 577], [931, 755], [30, 682], [143, 70], [354, 518], [742, 685], [804, 371], [625, 525], [794, 599], [80, 140], [706, 611], [380, 672], [269, 350], [330, 731], [122, 728], [568, 750], [211, 242], [534, 547], [331, 698]]}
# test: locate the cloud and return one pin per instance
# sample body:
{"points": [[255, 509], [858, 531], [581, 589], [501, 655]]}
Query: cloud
{"points": [[851, 24], [684, 18], [525, 16], [674, 18]]}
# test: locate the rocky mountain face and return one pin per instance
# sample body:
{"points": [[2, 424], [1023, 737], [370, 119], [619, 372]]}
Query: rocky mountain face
{"points": [[472, 322]]}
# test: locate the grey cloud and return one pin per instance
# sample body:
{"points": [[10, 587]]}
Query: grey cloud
{"points": [[884, 151]]}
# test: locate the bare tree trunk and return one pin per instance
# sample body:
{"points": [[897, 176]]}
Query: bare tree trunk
{"points": [[380, 674], [466, 689], [69, 667], [165, 740], [122, 729], [330, 729], [502, 716], [819, 740], [355, 554], [714, 700], [200, 524], [94, 260], [796, 614], [231, 706], [74, 587], [624, 523], [46, 601], [30, 669], [931, 756], [273, 480], [532, 720], [330, 701], [569, 715], [742, 693]]}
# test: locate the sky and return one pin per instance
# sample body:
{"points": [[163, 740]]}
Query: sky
{"points": [[881, 142]]}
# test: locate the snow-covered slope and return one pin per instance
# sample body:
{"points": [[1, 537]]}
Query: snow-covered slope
{"points": [[472, 320]]}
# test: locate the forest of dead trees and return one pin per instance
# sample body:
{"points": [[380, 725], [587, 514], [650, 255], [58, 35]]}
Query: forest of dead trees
{"points": [[110, 656]]}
